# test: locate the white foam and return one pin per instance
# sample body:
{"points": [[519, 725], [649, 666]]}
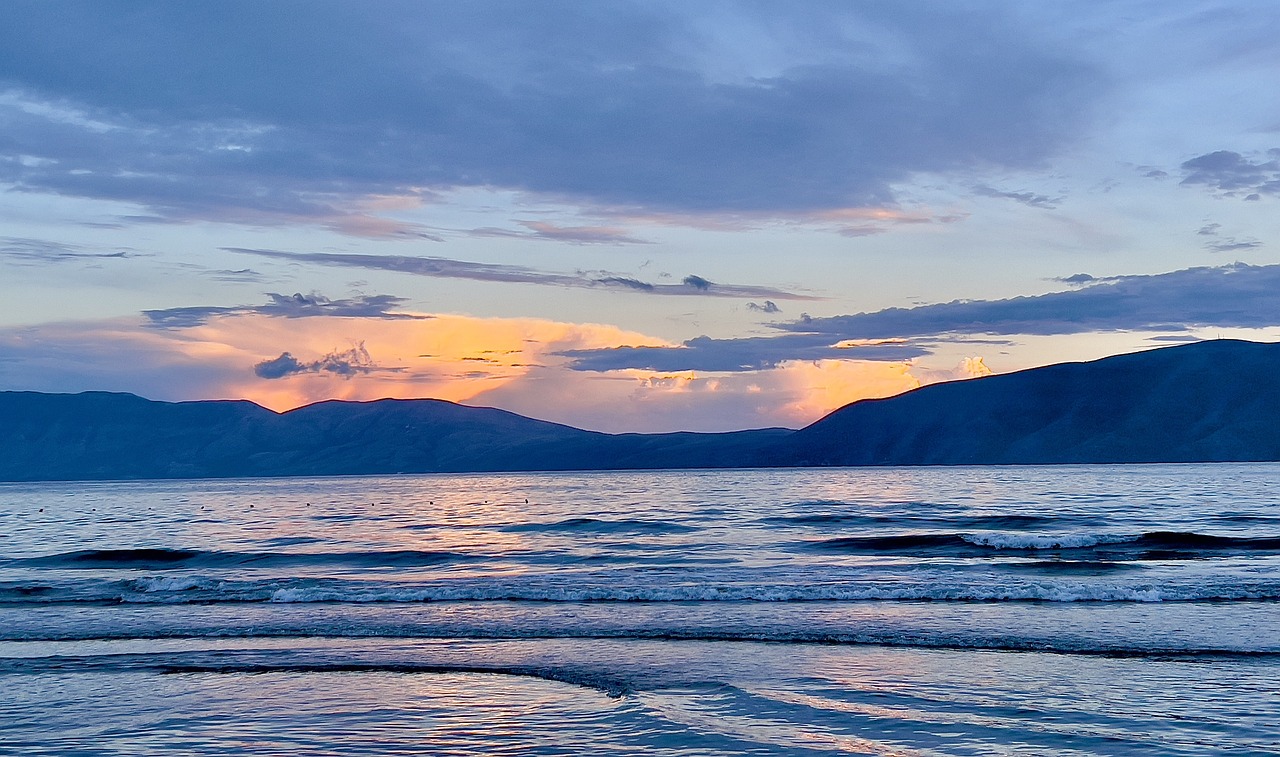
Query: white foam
{"points": [[172, 583], [1043, 591], [1001, 540]]}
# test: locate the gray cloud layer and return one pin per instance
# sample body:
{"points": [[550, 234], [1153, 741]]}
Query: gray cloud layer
{"points": [[747, 354], [1236, 295], [1235, 175], [1030, 199], [26, 251], [1233, 295], [294, 110], [286, 306], [571, 234], [513, 274]]}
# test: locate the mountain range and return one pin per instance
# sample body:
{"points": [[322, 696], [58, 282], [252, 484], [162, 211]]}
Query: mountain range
{"points": [[1207, 401]]}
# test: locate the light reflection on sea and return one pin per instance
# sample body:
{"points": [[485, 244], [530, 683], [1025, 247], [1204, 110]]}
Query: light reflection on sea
{"points": [[1075, 610]]}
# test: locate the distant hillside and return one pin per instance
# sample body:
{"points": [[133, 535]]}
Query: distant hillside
{"points": [[1209, 401], [100, 435], [1201, 402]]}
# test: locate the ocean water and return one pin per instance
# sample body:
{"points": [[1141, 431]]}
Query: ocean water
{"points": [[1090, 610]]}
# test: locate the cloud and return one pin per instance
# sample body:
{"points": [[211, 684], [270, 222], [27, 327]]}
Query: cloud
{"points": [[627, 282], [657, 107], [1235, 295], [513, 274], [1231, 244], [792, 394], [864, 222], [281, 306], [284, 362], [1030, 199], [240, 275], [733, 355], [1217, 243], [861, 231], [969, 367], [346, 363], [1232, 174], [769, 306], [518, 364], [25, 251], [1176, 338], [571, 234]]}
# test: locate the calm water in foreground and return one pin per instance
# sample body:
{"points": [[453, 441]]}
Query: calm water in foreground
{"points": [[1101, 610]]}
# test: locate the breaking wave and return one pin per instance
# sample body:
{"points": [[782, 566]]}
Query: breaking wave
{"points": [[159, 559], [1151, 545]]}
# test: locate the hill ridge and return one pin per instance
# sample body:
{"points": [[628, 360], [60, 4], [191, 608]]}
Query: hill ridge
{"points": [[1207, 401]]}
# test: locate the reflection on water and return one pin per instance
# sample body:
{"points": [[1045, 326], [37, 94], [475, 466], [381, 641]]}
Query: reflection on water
{"points": [[626, 697], [1044, 611]]}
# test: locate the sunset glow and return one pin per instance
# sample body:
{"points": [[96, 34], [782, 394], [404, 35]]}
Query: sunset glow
{"points": [[682, 218]]}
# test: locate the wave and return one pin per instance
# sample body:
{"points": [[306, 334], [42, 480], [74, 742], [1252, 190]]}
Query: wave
{"points": [[252, 661], [901, 521], [194, 589], [278, 662], [598, 526], [1153, 545], [1088, 567], [1025, 592], [161, 559]]}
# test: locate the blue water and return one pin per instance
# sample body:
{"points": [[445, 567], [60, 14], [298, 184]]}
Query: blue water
{"points": [[1099, 610]]}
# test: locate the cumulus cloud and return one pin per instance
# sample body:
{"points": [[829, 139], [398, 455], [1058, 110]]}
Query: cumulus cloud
{"points": [[345, 363], [514, 274], [287, 362], [769, 306], [650, 106], [968, 368], [792, 394], [1234, 175], [518, 364], [296, 305]]}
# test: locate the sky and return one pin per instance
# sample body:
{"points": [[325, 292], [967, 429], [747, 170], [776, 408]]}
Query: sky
{"points": [[626, 216]]}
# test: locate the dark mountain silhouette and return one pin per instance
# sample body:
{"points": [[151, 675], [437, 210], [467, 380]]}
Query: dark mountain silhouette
{"points": [[1202, 402], [101, 435], [1209, 401]]}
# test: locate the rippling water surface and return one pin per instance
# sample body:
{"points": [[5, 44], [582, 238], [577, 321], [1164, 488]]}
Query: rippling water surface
{"points": [[1060, 610]]}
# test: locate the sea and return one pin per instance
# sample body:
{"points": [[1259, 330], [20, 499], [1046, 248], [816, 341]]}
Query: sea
{"points": [[1066, 610]]}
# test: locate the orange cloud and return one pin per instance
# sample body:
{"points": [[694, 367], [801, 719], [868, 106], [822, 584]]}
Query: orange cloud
{"points": [[511, 363], [793, 394], [448, 357]]}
